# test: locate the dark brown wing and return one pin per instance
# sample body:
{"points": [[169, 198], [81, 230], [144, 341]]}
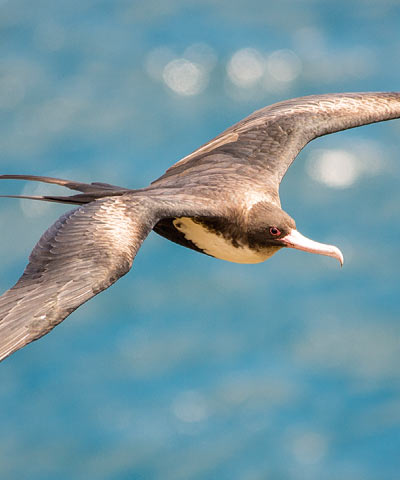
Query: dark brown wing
{"points": [[259, 149], [83, 253]]}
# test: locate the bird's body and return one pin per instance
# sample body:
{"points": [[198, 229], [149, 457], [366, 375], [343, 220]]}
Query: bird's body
{"points": [[222, 200]]}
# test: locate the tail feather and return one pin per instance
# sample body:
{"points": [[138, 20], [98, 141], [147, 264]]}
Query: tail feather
{"points": [[90, 191], [79, 199]]}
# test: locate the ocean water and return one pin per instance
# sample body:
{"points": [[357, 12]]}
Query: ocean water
{"points": [[191, 368]]}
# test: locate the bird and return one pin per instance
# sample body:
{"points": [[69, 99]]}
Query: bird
{"points": [[222, 200]]}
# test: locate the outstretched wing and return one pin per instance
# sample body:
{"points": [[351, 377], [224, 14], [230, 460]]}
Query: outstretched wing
{"points": [[83, 253], [259, 149]]}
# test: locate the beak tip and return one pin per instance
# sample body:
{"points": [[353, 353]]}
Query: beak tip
{"points": [[295, 240], [339, 256]]}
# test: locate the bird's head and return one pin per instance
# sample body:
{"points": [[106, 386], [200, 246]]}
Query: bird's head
{"points": [[271, 227]]}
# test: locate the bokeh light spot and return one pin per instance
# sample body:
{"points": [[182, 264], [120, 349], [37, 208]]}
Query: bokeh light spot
{"points": [[334, 168], [246, 67], [190, 406], [156, 61], [284, 65], [309, 447], [201, 54], [185, 77]]}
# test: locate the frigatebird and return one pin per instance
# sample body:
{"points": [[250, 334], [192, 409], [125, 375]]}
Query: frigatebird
{"points": [[221, 200]]}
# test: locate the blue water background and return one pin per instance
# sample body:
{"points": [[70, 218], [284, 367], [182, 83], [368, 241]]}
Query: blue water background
{"points": [[189, 367]]}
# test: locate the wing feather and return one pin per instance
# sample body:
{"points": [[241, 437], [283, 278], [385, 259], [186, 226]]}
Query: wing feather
{"points": [[83, 253], [257, 151]]}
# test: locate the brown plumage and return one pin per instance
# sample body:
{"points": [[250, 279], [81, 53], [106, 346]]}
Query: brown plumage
{"points": [[222, 200]]}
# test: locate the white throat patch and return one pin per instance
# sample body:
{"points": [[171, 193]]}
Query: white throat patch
{"points": [[218, 246]]}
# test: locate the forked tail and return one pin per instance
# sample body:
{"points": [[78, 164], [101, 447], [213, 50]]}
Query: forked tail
{"points": [[89, 191]]}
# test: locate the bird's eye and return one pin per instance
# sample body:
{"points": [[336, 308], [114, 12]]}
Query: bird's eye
{"points": [[274, 231]]}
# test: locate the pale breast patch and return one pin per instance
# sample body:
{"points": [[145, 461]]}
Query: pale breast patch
{"points": [[217, 245]]}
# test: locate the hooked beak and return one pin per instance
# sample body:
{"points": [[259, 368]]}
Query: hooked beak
{"points": [[294, 239]]}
